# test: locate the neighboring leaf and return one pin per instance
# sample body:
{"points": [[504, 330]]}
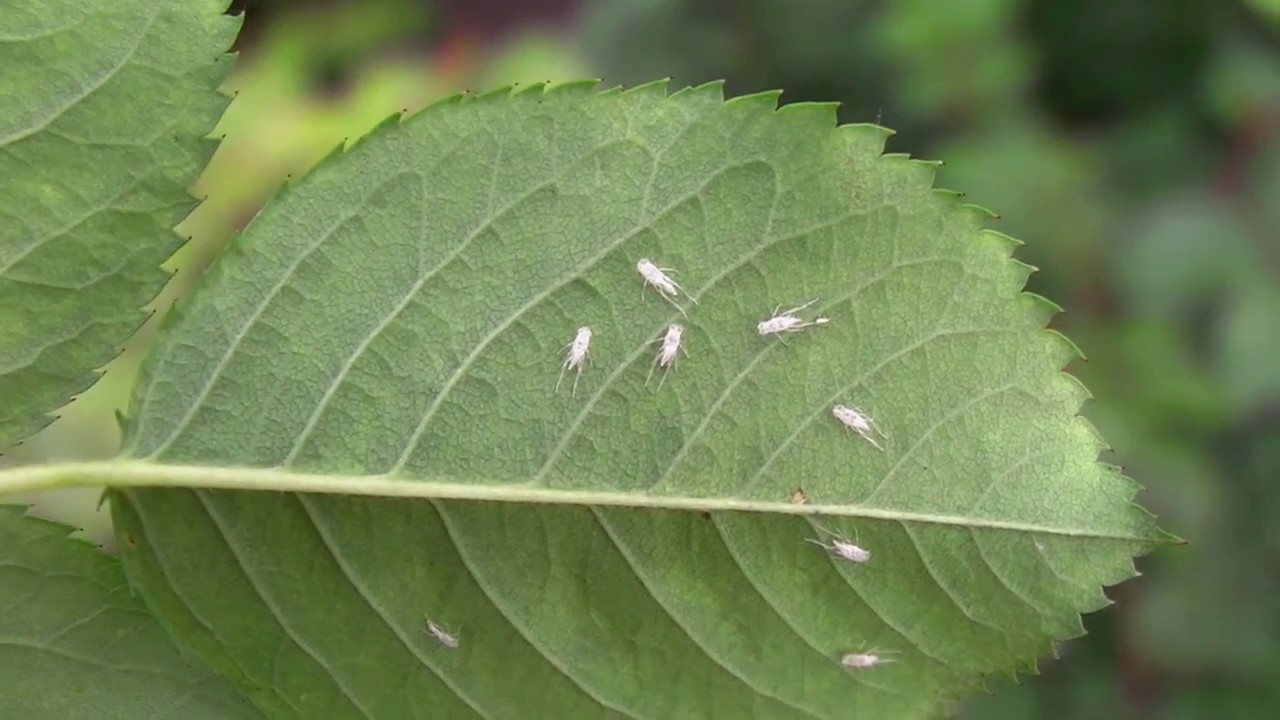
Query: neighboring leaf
{"points": [[394, 325], [1246, 361], [105, 104], [75, 644], [1270, 8]]}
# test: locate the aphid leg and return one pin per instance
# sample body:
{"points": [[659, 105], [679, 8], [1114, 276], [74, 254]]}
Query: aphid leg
{"points": [[874, 425], [836, 536], [779, 336], [680, 287], [872, 440], [652, 366], [875, 428], [676, 304], [819, 543], [663, 379]]}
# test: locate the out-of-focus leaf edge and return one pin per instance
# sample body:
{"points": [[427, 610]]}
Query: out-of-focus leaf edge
{"points": [[217, 73]]}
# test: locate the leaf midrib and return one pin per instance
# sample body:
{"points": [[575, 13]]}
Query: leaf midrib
{"points": [[143, 473]]}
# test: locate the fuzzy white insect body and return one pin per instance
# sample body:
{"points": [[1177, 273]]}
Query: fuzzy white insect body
{"points": [[859, 661], [788, 322], [443, 637], [670, 345], [859, 422], [669, 349], [841, 547], [576, 356], [659, 279]]}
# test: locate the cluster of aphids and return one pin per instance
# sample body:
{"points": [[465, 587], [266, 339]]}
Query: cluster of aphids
{"points": [[670, 345]]}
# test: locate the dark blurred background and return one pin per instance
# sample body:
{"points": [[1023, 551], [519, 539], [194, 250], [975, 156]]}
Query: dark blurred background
{"points": [[1133, 144]]}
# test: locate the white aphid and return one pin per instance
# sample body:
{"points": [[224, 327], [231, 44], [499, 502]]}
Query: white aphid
{"points": [[661, 281], [859, 422], [864, 660], [842, 548], [445, 638], [787, 322], [576, 356], [668, 351]]}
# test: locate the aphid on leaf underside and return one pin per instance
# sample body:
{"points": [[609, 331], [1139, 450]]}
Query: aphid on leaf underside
{"points": [[576, 356], [841, 547]]}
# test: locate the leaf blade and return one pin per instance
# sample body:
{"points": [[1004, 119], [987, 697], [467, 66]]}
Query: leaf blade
{"points": [[75, 644], [105, 133], [443, 367]]}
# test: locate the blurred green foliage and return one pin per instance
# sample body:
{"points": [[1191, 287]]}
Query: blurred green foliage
{"points": [[1134, 145]]}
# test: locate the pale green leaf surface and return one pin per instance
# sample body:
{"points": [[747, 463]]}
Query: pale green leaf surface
{"points": [[104, 107], [75, 644], [393, 325]]}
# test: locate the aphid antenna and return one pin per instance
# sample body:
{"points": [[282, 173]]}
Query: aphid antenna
{"points": [[797, 308], [836, 535]]}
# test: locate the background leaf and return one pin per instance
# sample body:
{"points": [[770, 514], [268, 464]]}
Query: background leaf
{"points": [[105, 107], [398, 317], [75, 644]]}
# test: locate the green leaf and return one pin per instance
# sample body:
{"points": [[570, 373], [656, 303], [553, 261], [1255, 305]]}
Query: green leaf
{"points": [[75, 644], [105, 106], [393, 325], [1270, 8]]}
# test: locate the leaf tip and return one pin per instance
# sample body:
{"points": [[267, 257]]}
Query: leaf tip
{"points": [[714, 88], [819, 113], [572, 87], [1008, 241], [1041, 306], [1069, 351], [653, 87], [444, 102], [763, 99], [864, 139]]}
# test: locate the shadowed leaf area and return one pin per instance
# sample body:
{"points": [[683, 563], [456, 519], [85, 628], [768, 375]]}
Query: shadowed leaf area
{"points": [[75, 644], [401, 315], [104, 107]]}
